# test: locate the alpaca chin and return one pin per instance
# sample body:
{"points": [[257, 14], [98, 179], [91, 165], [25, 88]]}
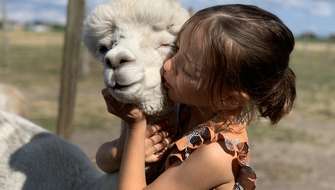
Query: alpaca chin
{"points": [[159, 105]]}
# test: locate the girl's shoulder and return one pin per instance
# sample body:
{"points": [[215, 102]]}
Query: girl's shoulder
{"points": [[208, 167]]}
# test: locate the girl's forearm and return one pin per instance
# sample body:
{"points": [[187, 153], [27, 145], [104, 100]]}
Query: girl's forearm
{"points": [[132, 170]]}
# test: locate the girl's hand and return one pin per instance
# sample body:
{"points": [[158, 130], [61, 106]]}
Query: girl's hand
{"points": [[156, 140], [156, 143], [127, 112]]}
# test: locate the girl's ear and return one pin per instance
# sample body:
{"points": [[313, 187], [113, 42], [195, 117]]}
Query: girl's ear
{"points": [[238, 97], [233, 102]]}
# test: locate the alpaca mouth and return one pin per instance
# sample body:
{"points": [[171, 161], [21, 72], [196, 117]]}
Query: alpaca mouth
{"points": [[118, 86]]}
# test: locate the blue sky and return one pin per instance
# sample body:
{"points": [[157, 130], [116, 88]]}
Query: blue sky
{"points": [[317, 16]]}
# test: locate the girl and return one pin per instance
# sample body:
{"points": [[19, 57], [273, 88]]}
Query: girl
{"points": [[231, 61]]}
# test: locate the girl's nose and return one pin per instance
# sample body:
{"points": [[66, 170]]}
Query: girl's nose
{"points": [[167, 65]]}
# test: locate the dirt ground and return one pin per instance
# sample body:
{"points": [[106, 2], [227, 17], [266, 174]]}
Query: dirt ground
{"points": [[305, 163]]}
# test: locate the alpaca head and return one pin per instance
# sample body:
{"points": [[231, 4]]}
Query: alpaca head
{"points": [[132, 38]]}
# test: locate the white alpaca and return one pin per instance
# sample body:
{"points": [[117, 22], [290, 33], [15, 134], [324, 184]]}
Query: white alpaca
{"points": [[131, 38]]}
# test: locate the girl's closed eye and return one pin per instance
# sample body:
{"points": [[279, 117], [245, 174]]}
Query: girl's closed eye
{"points": [[175, 47]]}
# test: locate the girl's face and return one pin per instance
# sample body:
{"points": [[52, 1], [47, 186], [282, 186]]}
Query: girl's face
{"points": [[182, 81], [186, 71]]}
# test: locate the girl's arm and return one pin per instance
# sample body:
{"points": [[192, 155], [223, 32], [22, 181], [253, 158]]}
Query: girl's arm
{"points": [[132, 170], [208, 166]]}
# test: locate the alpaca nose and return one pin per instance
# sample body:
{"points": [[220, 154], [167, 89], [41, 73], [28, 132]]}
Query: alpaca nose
{"points": [[118, 56]]}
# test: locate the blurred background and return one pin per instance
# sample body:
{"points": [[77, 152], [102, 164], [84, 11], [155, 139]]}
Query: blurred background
{"points": [[295, 154]]}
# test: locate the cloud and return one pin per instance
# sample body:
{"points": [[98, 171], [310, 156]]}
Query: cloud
{"points": [[49, 16], [29, 12], [291, 3], [322, 8], [55, 2]]}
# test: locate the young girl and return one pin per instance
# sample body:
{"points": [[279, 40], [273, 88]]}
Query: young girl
{"points": [[231, 61]]}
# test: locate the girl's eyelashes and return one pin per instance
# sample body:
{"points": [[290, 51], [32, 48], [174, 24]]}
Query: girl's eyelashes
{"points": [[174, 47]]}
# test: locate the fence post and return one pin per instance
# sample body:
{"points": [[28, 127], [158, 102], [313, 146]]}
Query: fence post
{"points": [[70, 67], [4, 41]]}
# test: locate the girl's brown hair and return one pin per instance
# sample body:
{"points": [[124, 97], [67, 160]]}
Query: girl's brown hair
{"points": [[245, 50]]}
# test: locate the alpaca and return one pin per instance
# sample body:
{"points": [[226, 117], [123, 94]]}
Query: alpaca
{"points": [[132, 38], [35, 159]]}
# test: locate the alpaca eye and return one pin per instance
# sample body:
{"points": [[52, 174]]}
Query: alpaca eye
{"points": [[102, 49]]}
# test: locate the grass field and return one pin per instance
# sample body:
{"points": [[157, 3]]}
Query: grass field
{"points": [[34, 62]]}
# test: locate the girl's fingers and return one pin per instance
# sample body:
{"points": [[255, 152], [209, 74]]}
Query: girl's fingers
{"points": [[158, 147], [156, 143], [151, 130], [167, 141], [161, 137], [155, 149], [164, 134], [154, 157], [156, 138], [160, 154], [154, 152]]}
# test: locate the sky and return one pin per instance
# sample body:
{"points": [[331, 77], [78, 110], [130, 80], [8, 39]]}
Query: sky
{"points": [[316, 16]]}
